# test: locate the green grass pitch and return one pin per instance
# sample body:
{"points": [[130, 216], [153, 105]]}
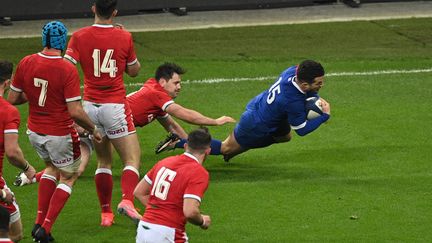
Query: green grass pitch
{"points": [[365, 176]]}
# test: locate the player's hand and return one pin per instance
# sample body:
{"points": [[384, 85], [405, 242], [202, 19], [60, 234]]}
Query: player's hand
{"points": [[8, 196], [30, 173], [119, 26], [325, 106], [97, 136], [206, 222], [224, 119]]}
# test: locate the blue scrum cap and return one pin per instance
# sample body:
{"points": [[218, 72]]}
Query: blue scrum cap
{"points": [[54, 35]]}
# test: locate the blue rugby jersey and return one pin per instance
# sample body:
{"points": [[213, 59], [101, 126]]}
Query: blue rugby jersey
{"points": [[284, 100]]}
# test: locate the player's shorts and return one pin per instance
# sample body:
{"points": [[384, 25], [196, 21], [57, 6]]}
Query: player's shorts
{"points": [[156, 233], [251, 134], [63, 151], [114, 120], [12, 208]]}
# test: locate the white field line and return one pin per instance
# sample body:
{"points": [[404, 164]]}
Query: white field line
{"points": [[224, 80]]}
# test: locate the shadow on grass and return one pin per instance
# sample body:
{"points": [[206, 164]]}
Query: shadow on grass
{"points": [[267, 164]]}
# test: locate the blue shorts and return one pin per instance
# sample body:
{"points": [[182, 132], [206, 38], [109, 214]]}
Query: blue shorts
{"points": [[251, 134]]}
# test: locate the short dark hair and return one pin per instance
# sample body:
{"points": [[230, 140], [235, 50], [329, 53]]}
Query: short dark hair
{"points": [[6, 68], [105, 8], [199, 139], [308, 70], [167, 70], [4, 219]]}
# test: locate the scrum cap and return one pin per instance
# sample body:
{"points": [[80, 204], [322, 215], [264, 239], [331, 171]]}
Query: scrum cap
{"points": [[54, 35]]}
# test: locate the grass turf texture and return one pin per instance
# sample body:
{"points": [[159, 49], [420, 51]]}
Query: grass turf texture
{"points": [[370, 161]]}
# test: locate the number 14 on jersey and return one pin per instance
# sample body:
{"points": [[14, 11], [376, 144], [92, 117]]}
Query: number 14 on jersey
{"points": [[108, 65]]}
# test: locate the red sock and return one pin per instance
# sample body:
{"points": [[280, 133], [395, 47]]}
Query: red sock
{"points": [[129, 180], [46, 189], [104, 186], [58, 200], [40, 173]]}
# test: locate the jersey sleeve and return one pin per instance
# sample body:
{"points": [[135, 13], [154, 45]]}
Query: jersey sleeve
{"points": [[132, 58], [296, 114], [197, 185], [72, 53], [18, 78], [72, 90], [12, 121], [149, 177], [162, 100]]}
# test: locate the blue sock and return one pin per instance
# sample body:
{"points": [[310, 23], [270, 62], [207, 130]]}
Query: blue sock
{"points": [[181, 143], [215, 146]]}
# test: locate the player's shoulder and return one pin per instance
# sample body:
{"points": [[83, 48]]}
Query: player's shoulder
{"points": [[27, 59], [82, 31], [8, 109], [123, 32]]}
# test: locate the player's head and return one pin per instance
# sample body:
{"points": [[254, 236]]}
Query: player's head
{"points": [[5, 71], [54, 35], [4, 221], [199, 141], [311, 75], [169, 77], [105, 8]]}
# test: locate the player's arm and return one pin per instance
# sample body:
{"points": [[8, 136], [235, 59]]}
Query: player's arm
{"points": [[311, 125], [133, 70], [16, 98], [78, 114], [171, 125], [142, 190], [194, 117], [191, 211], [15, 155]]}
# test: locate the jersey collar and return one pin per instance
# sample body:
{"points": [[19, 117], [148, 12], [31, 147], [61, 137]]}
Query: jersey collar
{"points": [[49, 55], [103, 25], [296, 85], [191, 156]]}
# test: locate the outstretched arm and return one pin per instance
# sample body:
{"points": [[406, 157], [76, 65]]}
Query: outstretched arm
{"points": [[194, 117], [171, 125]]}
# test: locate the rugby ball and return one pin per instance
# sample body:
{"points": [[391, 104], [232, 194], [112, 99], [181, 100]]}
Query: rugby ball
{"points": [[313, 108]]}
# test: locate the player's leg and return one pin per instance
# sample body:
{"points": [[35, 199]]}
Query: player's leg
{"points": [[282, 133], [230, 147], [86, 150], [104, 180], [16, 230], [48, 181], [117, 122], [129, 151], [15, 225], [173, 141], [68, 176], [65, 155]]}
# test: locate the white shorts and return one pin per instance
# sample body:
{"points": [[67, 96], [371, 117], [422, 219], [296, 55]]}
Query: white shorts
{"points": [[62, 151], [156, 233], [114, 120]]}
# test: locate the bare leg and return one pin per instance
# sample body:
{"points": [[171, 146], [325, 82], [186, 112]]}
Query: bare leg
{"points": [[230, 147]]}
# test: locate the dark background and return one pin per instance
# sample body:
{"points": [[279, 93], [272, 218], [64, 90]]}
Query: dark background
{"points": [[45, 9]]}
